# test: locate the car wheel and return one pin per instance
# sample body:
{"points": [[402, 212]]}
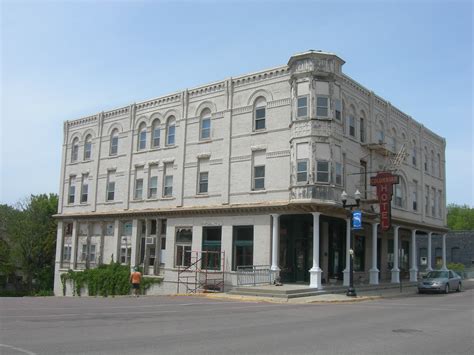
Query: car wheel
{"points": [[459, 289], [446, 289]]}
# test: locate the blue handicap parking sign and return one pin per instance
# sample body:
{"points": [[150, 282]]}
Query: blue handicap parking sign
{"points": [[357, 220]]}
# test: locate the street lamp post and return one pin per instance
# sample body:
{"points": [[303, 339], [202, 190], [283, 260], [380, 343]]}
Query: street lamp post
{"points": [[351, 290]]}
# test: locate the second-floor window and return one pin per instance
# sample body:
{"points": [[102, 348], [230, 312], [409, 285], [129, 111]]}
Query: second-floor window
{"points": [[110, 193], [203, 182], [322, 171], [84, 188], [259, 177], [322, 106], [338, 174], [302, 170], [168, 180], [138, 189], [71, 190], [338, 109], [302, 106]]}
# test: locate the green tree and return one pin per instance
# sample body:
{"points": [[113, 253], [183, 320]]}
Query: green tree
{"points": [[460, 217], [33, 240]]}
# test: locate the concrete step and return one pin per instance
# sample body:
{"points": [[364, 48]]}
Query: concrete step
{"points": [[271, 294]]}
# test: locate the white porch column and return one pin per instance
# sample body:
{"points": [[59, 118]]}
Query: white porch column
{"points": [[74, 246], [414, 268], [346, 271], [395, 270], [444, 253], [374, 271], [275, 242], [315, 271], [429, 268], [135, 241]]}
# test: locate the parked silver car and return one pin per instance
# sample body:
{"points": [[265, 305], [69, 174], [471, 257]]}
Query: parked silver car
{"points": [[440, 281]]}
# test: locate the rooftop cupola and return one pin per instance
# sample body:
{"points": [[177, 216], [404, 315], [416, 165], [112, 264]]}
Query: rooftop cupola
{"points": [[317, 62]]}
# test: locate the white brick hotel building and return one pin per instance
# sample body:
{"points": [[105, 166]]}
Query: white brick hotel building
{"points": [[253, 166]]}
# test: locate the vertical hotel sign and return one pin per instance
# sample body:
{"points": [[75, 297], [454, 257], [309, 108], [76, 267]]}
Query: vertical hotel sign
{"points": [[384, 182]]}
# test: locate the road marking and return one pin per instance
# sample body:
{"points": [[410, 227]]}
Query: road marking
{"points": [[18, 349]]}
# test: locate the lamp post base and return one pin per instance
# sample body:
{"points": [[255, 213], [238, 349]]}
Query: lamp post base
{"points": [[351, 292]]}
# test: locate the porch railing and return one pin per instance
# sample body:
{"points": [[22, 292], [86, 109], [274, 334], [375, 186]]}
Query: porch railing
{"points": [[253, 275]]}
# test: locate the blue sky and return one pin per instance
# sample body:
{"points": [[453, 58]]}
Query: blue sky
{"points": [[66, 59]]}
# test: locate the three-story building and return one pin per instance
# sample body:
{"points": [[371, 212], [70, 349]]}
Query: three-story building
{"points": [[252, 167]]}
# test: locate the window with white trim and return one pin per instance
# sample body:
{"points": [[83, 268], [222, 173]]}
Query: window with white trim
{"points": [[155, 133], [258, 170], [302, 170], [110, 193], [153, 181], [114, 137], [322, 106], [322, 171], [362, 129], [171, 131], [84, 188], [338, 174], [352, 127], [184, 239], [427, 200], [168, 180], [67, 249], [75, 150], [302, 106], [88, 147], [380, 132], [203, 176], [142, 136], [138, 189], [71, 189], [260, 112], [415, 195], [205, 126]]}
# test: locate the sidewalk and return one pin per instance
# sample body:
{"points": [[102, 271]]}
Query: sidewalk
{"points": [[362, 295]]}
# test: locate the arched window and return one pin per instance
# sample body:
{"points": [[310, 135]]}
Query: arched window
{"points": [[75, 150], [380, 132], [426, 159], [352, 122], [114, 136], [393, 141], [155, 134], [433, 163], [440, 167], [413, 153], [170, 131], [260, 112], [142, 136], [400, 193], [88, 147], [205, 125], [362, 122]]}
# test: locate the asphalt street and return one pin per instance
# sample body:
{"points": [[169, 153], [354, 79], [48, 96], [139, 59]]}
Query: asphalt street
{"points": [[415, 324]]}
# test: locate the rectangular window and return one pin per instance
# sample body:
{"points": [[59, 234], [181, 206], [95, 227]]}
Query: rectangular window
{"points": [[153, 181], [440, 208], [125, 255], [127, 228], [114, 144], [153, 225], [242, 250], [259, 177], [380, 136], [338, 109], [138, 189], [84, 188], [322, 106], [68, 229], [67, 253], [163, 226], [92, 253], [211, 248], [352, 128], [427, 200], [84, 252], [71, 189], [302, 170], [258, 171], [362, 130], [302, 106], [338, 174], [398, 196], [426, 163], [168, 180], [260, 118], [433, 202], [203, 182], [110, 195], [184, 239], [322, 171], [171, 134], [109, 229], [415, 195], [413, 157], [206, 128]]}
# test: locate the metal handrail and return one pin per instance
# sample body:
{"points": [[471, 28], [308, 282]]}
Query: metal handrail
{"points": [[253, 275]]}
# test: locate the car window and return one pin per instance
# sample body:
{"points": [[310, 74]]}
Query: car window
{"points": [[451, 275]]}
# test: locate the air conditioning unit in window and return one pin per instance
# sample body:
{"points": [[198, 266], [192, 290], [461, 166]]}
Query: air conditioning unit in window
{"points": [[150, 240], [124, 240]]}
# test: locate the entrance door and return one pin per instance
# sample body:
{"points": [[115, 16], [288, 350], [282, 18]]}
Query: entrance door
{"points": [[336, 249]]}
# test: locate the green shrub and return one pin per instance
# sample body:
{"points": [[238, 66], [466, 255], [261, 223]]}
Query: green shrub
{"points": [[105, 280]]}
